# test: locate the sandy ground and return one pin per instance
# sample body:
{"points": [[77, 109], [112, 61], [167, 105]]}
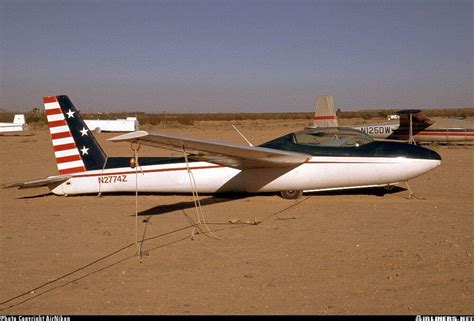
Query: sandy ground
{"points": [[325, 253]]}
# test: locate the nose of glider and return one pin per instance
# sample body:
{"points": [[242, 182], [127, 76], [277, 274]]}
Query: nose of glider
{"points": [[418, 160], [391, 149], [424, 158], [433, 157], [423, 153]]}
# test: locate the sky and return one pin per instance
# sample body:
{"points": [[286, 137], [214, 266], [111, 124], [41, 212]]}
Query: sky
{"points": [[201, 56]]}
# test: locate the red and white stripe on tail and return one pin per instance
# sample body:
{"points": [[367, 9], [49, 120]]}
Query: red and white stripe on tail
{"points": [[67, 155]]}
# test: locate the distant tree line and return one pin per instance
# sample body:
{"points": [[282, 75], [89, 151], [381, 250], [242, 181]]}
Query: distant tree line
{"points": [[38, 118]]}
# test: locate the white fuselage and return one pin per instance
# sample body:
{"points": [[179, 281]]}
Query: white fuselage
{"points": [[11, 127], [319, 173]]}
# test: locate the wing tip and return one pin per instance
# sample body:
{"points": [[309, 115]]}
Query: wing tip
{"points": [[38, 183], [11, 185], [129, 136]]}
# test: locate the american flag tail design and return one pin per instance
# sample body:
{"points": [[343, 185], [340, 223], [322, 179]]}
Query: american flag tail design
{"points": [[75, 147]]}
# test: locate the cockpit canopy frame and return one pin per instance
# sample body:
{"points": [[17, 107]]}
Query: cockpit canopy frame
{"points": [[331, 137]]}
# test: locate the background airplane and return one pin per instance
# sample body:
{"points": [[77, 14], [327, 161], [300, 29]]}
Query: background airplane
{"points": [[413, 125], [308, 160], [128, 124], [18, 125]]}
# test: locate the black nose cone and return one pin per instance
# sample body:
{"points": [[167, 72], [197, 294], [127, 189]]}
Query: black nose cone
{"points": [[393, 149]]}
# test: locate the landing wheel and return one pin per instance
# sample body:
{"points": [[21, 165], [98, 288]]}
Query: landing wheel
{"points": [[291, 195], [388, 187]]}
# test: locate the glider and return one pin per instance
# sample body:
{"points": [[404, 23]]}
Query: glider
{"points": [[313, 159]]}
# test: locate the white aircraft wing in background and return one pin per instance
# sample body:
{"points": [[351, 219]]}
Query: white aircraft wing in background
{"points": [[236, 156]]}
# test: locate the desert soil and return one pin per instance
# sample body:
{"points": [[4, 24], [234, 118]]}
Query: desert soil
{"points": [[356, 252]]}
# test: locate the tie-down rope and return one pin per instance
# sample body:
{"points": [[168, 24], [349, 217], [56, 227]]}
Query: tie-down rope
{"points": [[200, 215], [134, 164]]}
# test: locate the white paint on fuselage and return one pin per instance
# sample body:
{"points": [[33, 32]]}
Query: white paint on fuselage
{"points": [[317, 173]]}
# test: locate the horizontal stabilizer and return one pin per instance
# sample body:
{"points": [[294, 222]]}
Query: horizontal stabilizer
{"points": [[39, 183], [236, 156]]}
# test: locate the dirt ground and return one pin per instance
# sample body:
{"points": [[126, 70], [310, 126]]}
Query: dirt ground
{"points": [[356, 252]]}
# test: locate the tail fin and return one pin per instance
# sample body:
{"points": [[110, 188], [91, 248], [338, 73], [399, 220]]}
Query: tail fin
{"points": [[75, 147], [325, 115], [19, 119], [418, 118]]}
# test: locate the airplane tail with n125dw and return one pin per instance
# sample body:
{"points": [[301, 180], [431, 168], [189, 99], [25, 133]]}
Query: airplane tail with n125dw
{"points": [[413, 125], [313, 159]]}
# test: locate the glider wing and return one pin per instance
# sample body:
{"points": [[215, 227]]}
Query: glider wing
{"points": [[39, 183], [236, 156]]}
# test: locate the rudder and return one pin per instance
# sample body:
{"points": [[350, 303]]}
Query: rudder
{"points": [[325, 115], [75, 148]]}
